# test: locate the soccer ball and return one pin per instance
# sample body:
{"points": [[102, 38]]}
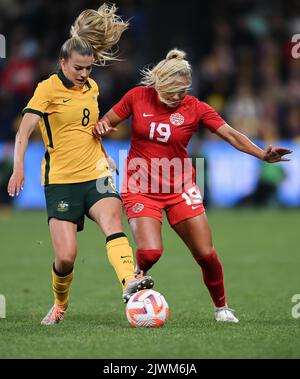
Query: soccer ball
{"points": [[148, 309]]}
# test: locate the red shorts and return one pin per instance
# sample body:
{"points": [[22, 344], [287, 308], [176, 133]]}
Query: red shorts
{"points": [[178, 206]]}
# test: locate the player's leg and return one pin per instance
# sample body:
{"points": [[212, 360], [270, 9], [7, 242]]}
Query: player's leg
{"points": [[65, 209], [196, 234], [145, 218], [107, 213], [63, 234], [106, 210], [191, 224], [147, 236]]}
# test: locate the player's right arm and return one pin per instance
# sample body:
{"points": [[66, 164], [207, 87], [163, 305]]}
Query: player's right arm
{"points": [[31, 115], [27, 126], [107, 124]]}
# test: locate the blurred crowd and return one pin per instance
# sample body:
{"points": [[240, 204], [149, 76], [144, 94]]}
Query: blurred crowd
{"points": [[240, 51]]}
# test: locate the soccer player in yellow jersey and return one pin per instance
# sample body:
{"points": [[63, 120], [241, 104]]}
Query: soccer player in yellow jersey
{"points": [[65, 107]]}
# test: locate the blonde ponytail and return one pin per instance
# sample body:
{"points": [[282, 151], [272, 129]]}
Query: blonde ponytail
{"points": [[163, 74], [176, 54], [96, 33]]}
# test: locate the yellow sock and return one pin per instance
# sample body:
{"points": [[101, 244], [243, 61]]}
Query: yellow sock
{"points": [[120, 256], [61, 286]]}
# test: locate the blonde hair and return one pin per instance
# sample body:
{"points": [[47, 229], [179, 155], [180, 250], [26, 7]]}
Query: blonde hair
{"points": [[95, 32], [163, 74]]}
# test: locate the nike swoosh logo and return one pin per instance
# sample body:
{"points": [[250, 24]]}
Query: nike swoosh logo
{"points": [[125, 256], [193, 207], [147, 115], [66, 100]]}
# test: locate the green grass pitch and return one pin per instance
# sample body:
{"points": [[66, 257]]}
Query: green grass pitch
{"points": [[260, 253]]}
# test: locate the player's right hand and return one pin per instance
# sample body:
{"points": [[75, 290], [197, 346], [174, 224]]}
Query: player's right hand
{"points": [[16, 183], [102, 128]]}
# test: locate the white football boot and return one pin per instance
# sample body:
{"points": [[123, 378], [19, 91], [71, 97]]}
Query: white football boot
{"points": [[225, 314], [55, 315], [138, 283]]}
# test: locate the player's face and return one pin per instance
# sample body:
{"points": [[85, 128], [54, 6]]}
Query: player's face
{"points": [[173, 99], [77, 68]]}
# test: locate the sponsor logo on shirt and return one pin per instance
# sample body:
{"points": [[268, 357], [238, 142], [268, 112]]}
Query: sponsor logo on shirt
{"points": [[176, 119], [138, 207]]}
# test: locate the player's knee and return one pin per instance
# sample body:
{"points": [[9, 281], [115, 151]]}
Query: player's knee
{"points": [[65, 257], [205, 251], [64, 266]]}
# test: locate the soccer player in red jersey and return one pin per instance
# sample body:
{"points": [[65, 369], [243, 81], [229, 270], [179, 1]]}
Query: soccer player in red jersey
{"points": [[164, 117]]}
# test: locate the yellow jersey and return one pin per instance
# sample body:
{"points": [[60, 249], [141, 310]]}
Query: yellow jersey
{"points": [[68, 115]]}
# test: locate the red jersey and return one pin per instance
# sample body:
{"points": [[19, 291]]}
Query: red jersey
{"points": [[159, 138]]}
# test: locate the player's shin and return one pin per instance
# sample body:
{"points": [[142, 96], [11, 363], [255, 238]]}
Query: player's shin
{"points": [[120, 256], [213, 277], [61, 283]]}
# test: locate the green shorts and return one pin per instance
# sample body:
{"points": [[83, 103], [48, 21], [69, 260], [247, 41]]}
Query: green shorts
{"points": [[71, 202]]}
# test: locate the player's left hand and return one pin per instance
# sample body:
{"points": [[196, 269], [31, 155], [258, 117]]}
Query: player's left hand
{"points": [[276, 154]]}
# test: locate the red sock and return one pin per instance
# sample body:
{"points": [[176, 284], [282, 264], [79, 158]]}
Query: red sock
{"points": [[212, 272], [147, 258]]}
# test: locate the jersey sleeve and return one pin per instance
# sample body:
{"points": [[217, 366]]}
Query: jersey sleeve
{"points": [[40, 100], [209, 117], [124, 107]]}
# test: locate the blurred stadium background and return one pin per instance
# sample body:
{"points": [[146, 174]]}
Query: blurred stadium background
{"points": [[240, 51]]}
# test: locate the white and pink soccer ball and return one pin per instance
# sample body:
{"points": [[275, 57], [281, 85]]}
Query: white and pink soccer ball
{"points": [[148, 309]]}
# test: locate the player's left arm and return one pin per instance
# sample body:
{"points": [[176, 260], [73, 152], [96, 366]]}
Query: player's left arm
{"points": [[243, 143]]}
